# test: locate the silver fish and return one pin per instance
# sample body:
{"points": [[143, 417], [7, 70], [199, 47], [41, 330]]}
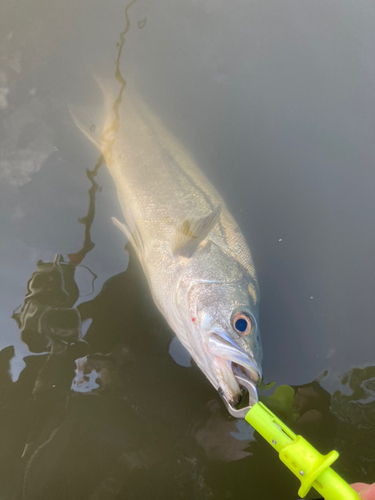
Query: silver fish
{"points": [[198, 265]]}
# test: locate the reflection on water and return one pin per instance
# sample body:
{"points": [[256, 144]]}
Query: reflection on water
{"points": [[99, 413], [113, 416], [47, 318]]}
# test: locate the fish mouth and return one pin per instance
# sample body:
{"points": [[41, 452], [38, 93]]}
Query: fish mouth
{"points": [[229, 360]]}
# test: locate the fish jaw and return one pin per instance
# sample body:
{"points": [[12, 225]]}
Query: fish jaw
{"points": [[227, 358]]}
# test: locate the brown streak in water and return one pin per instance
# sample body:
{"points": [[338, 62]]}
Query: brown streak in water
{"points": [[115, 125], [88, 244]]}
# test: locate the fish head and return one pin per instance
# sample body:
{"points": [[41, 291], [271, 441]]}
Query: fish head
{"points": [[223, 316], [229, 332]]}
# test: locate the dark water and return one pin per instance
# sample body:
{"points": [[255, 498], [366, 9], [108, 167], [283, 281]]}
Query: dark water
{"points": [[275, 101]]}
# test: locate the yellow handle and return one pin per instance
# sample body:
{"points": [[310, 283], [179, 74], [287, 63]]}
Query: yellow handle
{"points": [[312, 468]]}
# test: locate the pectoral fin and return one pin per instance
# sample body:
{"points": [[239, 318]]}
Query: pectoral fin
{"points": [[179, 353], [190, 233]]}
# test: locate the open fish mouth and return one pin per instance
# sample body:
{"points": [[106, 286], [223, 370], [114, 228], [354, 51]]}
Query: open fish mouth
{"points": [[230, 359]]}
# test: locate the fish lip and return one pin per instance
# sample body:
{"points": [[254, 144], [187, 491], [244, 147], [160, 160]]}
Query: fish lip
{"points": [[222, 339], [227, 352]]}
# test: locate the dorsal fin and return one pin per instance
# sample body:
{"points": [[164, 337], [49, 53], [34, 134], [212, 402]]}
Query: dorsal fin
{"points": [[190, 233]]}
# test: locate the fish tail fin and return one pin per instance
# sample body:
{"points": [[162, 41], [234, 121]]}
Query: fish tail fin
{"points": [[90, 122], [96, 124]]}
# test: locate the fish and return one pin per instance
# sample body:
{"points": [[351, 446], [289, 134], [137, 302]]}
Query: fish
{"points": [[197, 263]]}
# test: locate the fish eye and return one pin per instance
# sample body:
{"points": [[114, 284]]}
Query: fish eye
{"points": [[242, 323]]}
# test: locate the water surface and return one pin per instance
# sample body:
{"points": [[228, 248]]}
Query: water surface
{"points": [[275, 103]]}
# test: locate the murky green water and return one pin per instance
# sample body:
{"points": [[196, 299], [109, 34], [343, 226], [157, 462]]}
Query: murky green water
{"points": [[275, 102]]}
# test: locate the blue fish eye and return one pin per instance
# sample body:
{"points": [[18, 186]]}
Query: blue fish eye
{"points": [[241, 325]]}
